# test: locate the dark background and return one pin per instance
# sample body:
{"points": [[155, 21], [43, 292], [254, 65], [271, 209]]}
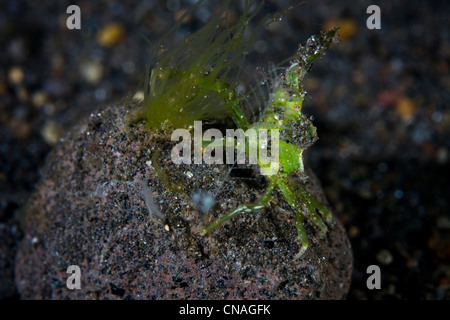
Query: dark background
{"points": [[379, 98]]}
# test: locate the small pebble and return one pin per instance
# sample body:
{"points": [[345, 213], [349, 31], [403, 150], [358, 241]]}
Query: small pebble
{"points": [[100, 94], [20, 129], [387, 98], [92, 71], [39, 98], [354, 231], [111, 34], [57, 87], [442, 155], [385, 257], [16, 75], [128, 67], [437, 116], [3, 88], [179, 13], [443, 222], [173, 5], [398, 194], [348, 27], [139, 96], [312, 83], [51, 132], [405, 107], [22, 94]]}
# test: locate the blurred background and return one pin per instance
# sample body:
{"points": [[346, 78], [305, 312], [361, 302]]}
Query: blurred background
{"points": [[380, 100]]}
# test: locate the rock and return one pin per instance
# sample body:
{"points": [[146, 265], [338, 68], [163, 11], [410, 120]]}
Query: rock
{"points": [[8, 248], [92, 210]]}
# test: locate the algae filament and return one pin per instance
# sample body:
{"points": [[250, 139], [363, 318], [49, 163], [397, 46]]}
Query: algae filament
{"points": [[196, 79]]}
